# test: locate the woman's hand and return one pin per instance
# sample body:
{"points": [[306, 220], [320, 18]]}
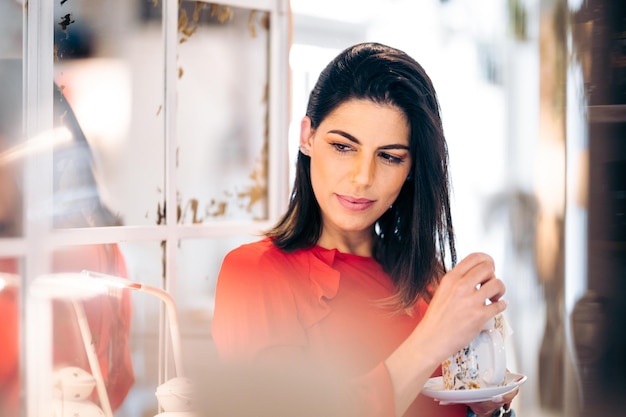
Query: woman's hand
{"points": [[487, 408], [455, 315], [458, 310]]}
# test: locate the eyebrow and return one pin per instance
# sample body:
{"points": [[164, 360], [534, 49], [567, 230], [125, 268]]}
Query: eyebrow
{"points": [[355, 140]]}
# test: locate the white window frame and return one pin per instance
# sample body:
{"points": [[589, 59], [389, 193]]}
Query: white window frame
{"points": [[39, 239]]}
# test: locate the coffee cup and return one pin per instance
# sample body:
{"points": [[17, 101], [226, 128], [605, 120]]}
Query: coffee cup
{"points": [[481, 364]]}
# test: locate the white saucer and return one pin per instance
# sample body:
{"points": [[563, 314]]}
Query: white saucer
{"points": [[434, 389]]}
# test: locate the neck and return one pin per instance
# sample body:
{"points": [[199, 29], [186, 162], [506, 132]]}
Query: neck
{"points": [[360, 244]]}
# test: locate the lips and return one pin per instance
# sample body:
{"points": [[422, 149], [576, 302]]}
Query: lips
{"points": [[354, 203]]}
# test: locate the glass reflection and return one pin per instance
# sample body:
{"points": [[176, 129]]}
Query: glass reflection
{"points": [[77, 200], [199, 261], [98, 365], [108, 65], [144, 263], [10, 139], [11, 201], [9, 337], [108, 68], [222, 113]]}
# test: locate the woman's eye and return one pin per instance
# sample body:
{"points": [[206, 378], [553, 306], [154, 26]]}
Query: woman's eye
{"points": [[341, 147], [390, 159]]}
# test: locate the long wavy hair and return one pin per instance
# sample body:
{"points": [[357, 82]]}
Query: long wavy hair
{"points": [[413, 237]]}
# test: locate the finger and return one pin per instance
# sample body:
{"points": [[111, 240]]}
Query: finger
{"points": [[487, 407], [509, 396], [496, 307], [492, 290], [480, 273], [470, 261]]}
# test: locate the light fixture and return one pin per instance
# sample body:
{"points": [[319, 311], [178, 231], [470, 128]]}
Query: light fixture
{"points": [[170, 305], [76, 287], [73, 288], [175, 396]]}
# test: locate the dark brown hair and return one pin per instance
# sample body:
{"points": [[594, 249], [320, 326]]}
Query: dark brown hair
{"points": [[413, 236]]}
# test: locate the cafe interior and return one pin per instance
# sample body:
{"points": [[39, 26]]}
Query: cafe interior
{"points": [[142, 140]]}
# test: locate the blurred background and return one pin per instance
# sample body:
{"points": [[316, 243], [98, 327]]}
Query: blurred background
{"points": [[165, 132]]}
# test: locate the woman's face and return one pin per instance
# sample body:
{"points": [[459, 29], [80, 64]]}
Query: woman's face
{"points": [[359, 161]]}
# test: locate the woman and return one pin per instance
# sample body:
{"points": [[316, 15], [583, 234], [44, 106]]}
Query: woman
{"points": [[353, 278], [77, 203]]}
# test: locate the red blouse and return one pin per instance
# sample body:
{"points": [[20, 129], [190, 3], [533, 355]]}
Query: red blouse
{"points": [[321, 302]]}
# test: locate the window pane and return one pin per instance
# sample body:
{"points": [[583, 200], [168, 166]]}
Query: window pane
{"points": [[11, 31], [124, 324], [109, 83], [199, 262], [144, 265], [12, 199], [222, 113], [100, 357]]}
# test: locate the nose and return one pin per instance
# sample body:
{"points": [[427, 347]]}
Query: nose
{"points": [[363, 170]]}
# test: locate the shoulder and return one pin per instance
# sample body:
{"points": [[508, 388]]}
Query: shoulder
{"points": [[257, 300], [255, 250], [261, 259], [262, 253]]}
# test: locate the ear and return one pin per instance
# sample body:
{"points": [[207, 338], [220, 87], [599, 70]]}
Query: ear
{"points": [[306, 135]]}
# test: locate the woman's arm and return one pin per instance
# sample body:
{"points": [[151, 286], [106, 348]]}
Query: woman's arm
{"points": [[455, 315], [256, 321]]}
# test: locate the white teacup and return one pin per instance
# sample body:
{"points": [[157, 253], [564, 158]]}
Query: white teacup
{"points": [[176, 395], [481, 364], [73, 383], [81, 408]]}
